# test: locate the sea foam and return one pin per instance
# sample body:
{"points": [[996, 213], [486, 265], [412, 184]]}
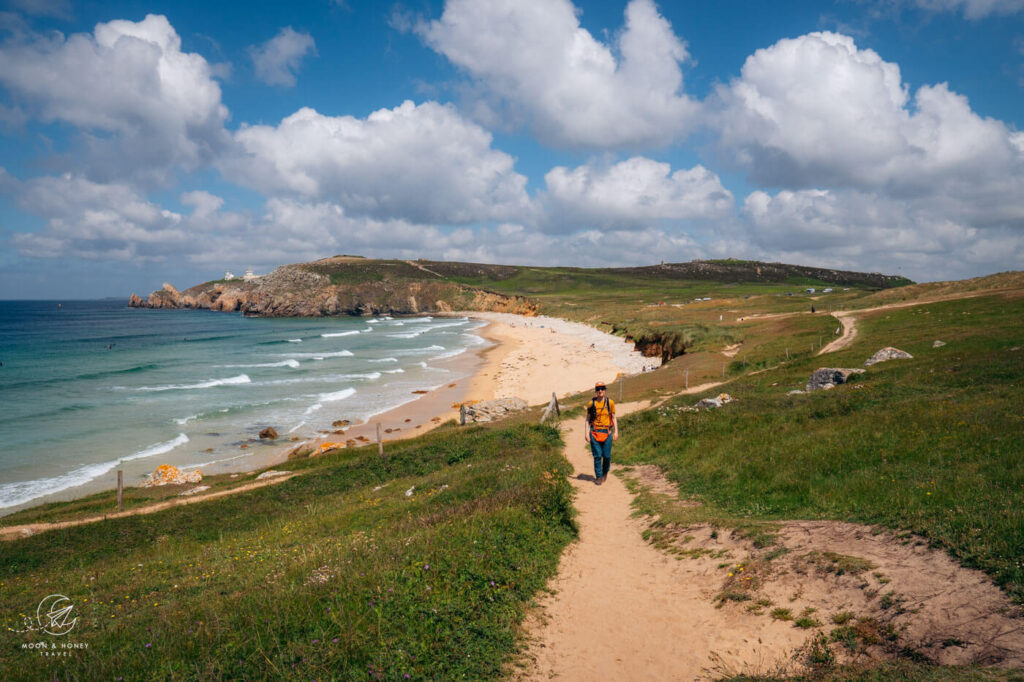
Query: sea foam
{"points": [[13, 494], [230, 381]]}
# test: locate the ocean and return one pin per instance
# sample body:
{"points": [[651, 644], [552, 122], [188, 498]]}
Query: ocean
{"points": [[89, 387]]}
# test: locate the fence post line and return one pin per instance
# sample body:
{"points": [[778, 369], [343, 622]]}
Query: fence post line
{"points": [[380, 439], [554, 401], [120, 489], [462, 414], [686, 373]]}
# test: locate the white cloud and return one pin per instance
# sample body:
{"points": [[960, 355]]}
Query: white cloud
{"points": [[277, 61], [860, 231], [423, 163], [973, 9], [637, 192], [96, 221], [816, 111], [143, 104], [573, 90]]}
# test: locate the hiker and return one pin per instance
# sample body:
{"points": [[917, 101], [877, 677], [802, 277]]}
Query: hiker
{"points": [[602, 429]]}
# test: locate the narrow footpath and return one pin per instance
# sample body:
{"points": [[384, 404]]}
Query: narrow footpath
{"points": [[621, 609]]}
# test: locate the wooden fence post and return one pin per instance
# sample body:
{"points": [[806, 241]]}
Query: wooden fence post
{"points": [[462, 414], [686, 373], [120, 489], [552, 405], [380, 439]]}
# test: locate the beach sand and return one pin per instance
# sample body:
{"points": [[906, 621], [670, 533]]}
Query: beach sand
{"points": [[528, 358]]}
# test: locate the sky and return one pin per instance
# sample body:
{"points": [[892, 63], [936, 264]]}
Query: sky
{"points": [[152, 142]]}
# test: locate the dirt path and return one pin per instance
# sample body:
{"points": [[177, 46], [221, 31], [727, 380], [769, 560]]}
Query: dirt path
{"points": [[27, 529], [623, 610], [848, 319], [849, 324], [620, 608]]}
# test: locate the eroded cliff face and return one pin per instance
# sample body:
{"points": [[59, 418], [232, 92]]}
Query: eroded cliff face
{"points": [[294, 291]]}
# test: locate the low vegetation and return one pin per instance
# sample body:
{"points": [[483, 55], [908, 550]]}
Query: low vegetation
{"points": [[415, 565], [932, 445]]}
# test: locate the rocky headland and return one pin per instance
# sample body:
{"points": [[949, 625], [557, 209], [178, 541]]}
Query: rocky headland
{"points": [[341, 285]]}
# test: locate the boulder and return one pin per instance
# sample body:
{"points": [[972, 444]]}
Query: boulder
{"points": [[269, 433], [829, 377], [272, 473], [168, 474], [938, 344], [194, 491], [493, 409], [324, 448], [717, 401], [887, 353]]}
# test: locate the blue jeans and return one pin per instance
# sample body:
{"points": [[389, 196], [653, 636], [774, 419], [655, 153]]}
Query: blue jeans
{"points": [[602, 455]]}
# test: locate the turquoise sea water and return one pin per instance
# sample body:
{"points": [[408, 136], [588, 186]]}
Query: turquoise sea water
{"points": [[88, 387]]}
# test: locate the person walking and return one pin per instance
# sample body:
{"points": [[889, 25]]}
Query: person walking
{"points": [[602, 429]]}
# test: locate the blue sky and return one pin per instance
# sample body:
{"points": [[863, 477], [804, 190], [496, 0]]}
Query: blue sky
{"points": [[171, 141]]}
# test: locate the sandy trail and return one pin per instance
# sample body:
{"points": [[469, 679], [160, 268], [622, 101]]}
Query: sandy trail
{"points": [[848, 318], [27, 529], [620, 608], [623, 610]]}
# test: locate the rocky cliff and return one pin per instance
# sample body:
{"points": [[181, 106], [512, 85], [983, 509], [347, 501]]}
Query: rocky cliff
{"points": [[337, 286]]}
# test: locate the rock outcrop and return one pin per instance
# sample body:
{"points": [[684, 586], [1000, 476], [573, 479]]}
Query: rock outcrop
{"points": [[269, 433], [887, 353], [491, 409], [168, 474], [337, 286], [830, 377], [712, 403]]}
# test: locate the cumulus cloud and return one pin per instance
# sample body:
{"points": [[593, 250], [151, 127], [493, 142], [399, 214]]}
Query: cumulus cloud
{"points": [[96, 221], [573, 90], [142, 104], [277, 61], [637, 192], [857, 230], [115, 223], [816, 112], [423, 163]]}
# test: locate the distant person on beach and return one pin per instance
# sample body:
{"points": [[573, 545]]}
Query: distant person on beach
{"points": [[602, 429]]}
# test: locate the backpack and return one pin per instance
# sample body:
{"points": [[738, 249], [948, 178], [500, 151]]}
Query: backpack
{"points": [[592, 416]]}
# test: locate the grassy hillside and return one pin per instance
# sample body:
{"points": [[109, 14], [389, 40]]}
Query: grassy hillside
{"points": [[934, 445], [418, 564], [340, 574]]}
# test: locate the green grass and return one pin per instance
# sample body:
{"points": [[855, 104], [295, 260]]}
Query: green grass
{"points": [[337, 574], [934, 445]]}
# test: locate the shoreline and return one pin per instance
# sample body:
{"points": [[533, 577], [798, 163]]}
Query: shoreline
{"points": [[525, 357]]}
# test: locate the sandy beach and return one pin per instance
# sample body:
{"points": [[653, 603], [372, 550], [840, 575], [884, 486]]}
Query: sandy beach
{"points": [[528, 358]]}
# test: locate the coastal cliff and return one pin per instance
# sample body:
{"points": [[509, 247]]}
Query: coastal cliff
{"points": [[341, 285]]}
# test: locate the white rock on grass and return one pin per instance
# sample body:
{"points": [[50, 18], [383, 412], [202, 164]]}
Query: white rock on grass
{"points": [[272, 473], [887, 353], [938, 344]]}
